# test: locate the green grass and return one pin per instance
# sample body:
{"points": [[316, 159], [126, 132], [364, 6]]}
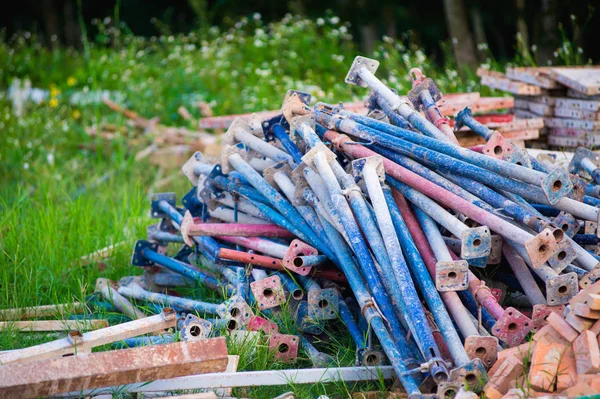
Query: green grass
{"points": [[64, 195]]}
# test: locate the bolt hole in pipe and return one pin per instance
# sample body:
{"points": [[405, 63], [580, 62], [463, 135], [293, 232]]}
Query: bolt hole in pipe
{"points": [[542, 248], [297, 294], [562, 289], [558, 235], [268, 293], [557, 185], [561, 255], [234, 312], [372, 360], [231, 325], [498, 150], [323, 303], [476, 242], [283, 348], [195, 331], [452, 275], [298, 262], [471, 378], [449, 393], [481, 351], [512, 326], [565, 227]]}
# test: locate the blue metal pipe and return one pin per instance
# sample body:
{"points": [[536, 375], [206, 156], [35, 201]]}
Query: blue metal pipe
{"points": [[188, 305], [546, 210], [465, 117], [286, 142], [423, 279], [434, 159], [293, 288], [184, 269], [347, 123], [397, 349], [357, 336], [344, 213], [144, 341], [507, 206], [278, 202], [170, 280], [408, 299], [432, 176], [586, 239]]}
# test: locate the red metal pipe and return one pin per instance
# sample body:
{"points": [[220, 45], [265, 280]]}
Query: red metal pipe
{"points": [[432, 190], [483, 296], [238, 230], [269, 262]]}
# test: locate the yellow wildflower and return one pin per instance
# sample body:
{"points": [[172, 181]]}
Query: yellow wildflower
{"points": [[53, 102], [71, 81], [76, 114], [54, 92]]}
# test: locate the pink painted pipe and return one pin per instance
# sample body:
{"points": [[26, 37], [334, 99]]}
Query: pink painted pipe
{"points": [[432, 190], [453, 303], [483, 296], [190, 229]]}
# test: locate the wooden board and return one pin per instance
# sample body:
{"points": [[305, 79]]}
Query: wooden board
{"points": [[572, 123], [534, 76], [585, 80], [469, 139], [575, 113], [575, 94], [537, 108], [42, 311], [587, 105], [518, 124], [497, 80], [55, 325], [524, 113], [125, 366]]}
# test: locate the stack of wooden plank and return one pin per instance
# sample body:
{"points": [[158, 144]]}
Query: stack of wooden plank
{"points": [[567, 98]]}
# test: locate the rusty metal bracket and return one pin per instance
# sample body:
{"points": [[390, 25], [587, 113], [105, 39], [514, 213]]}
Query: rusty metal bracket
{"points": [[541, 312], [298, 248], [268, 292], [452, 275], [476, 242], [426, 85], [284, 346], [519, 157], [257, 323], [482, 347], [541, 247], [472, 375], [194, 328], [498, 147], [237, 309], [512, 327], [567, 223], [305, 323], [565, 255], [559, 289], [360, 62], [323, 304], [155, 210]]}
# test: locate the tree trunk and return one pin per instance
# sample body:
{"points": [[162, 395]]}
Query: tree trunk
{"points": [[549, 27], [521, 24], [50, 22], [458, 28], [478, 27], [71, 26]]}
